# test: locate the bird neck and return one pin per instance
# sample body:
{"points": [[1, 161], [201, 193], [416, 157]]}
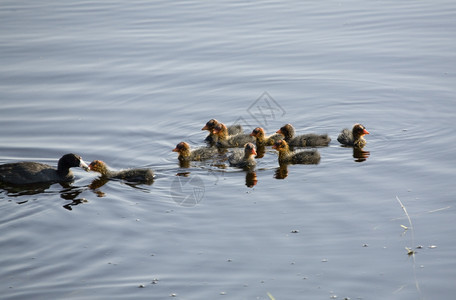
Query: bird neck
{"points": [[288, 134], [184, 154], [248, 156], [63, 169], [357, 135], [359, 141], [223, 134], [260, 138], [284, 154]]}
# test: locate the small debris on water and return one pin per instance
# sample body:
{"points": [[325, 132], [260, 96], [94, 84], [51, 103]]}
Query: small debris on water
{"points": [[222, 293], [365, 245], [432, 247], [141, 286], [409, 251], [173, 295], [324, 260], [295, 231]]}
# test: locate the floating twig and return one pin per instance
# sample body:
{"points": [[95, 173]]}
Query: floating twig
{"points": [[410, 251], [405, 211]]}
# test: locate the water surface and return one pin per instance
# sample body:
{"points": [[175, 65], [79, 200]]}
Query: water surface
{"points": [[124, 82]]}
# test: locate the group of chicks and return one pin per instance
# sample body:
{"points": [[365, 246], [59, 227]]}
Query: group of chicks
{"points": [[284, 140], [220, 137]]}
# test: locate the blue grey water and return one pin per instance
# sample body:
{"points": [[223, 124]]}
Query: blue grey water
{"points": [[125, 81]]}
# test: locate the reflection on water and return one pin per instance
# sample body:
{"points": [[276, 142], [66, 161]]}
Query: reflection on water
{"points": [[68, 192], [360, 155], [98, 183], [73, 203], [184, 174], [251, 179], [281, 172], [13, 190]]}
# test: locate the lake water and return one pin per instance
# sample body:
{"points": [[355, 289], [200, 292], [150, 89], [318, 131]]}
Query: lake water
{"points": [[126, 81]]}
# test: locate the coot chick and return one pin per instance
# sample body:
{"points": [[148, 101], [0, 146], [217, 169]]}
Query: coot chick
{"points": [[185, 154], [305, 140], [243, 159], [210, 125], [22, 173], [225, 140], [302, 157], [262, 139], [131, 175], [355, 137]]}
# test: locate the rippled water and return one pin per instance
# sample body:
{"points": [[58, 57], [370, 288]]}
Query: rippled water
{"points": [[124, 82]]}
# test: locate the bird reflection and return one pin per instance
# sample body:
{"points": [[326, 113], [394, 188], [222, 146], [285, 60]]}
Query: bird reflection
{"points": [[68, 192], [281, 172], [98, 183], [71, 193], [75, 202], [250, 179], [360, 155], [184, 174], [101, 181], [15, 190]]}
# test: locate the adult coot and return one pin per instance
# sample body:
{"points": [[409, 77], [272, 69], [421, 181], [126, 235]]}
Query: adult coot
{"points": [[33, 172], [355, 137], [305, 140]]}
